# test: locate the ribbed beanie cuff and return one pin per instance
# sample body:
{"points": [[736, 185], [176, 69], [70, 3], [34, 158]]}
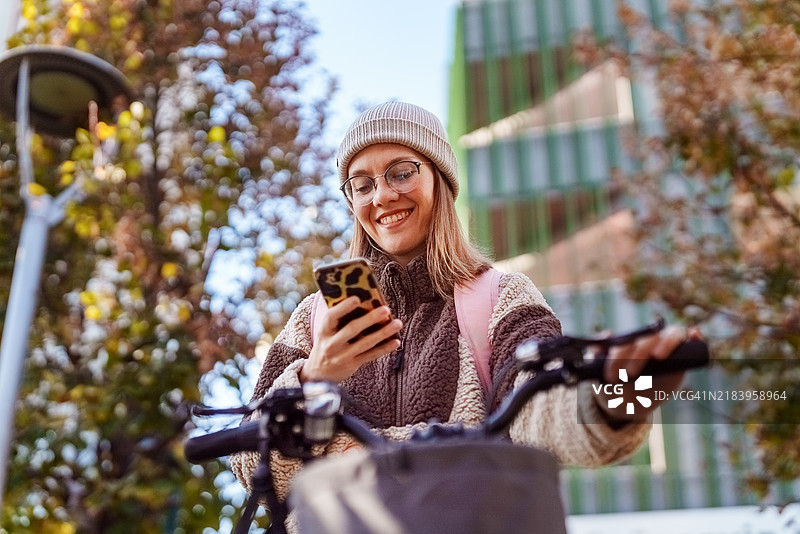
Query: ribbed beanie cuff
{"points": [[404, 124]]}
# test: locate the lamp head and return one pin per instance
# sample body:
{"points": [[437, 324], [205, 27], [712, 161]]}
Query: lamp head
{"points": [[62, 82]]}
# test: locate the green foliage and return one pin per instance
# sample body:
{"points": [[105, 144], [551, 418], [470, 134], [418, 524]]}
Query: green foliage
{"points": [[214, 159], [717, 198]]}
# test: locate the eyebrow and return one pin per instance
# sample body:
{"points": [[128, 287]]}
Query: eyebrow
{"points": [[408, 157]]}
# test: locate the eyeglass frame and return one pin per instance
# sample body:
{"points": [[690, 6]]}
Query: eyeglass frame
{"points": [[374, 179]]}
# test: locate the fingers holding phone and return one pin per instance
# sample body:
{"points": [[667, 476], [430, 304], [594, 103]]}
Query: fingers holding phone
{"points": [[358, 326]]}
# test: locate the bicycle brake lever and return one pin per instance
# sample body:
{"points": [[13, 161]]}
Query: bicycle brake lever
{"points": [[572, 351], [623, 339], [200, 410]]}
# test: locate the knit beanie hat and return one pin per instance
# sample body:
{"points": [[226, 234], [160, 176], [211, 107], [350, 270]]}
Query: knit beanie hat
{"points": [[404, 124]]}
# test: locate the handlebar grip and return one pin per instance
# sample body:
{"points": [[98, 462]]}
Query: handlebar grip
{"points": [[223, 443], [688, 355]]}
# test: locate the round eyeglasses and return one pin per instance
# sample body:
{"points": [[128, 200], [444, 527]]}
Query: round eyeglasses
{"points": [[401, 177]]}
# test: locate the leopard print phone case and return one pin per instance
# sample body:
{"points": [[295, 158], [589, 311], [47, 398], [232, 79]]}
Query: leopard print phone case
{"points": [[341, 280]]}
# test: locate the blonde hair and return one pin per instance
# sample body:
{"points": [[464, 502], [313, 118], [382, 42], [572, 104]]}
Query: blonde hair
{"points": [[452, 258]]}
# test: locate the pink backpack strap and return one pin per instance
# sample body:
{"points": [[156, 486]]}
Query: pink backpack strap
{"points": [[474, 306], [318, 309]]}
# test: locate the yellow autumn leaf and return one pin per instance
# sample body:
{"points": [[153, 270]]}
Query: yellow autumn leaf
{"points": [[87, 298], [83, 227], [83, 45], [137, 294], [67, 166], [117, 22], [36, 190], [134, 61], [216, 135], [67, 179], [184, 313], [76, 393], [29, 11], [93, 313], [74, 25], [82, 136], [105, 131], [124, 119], [169, 269]]}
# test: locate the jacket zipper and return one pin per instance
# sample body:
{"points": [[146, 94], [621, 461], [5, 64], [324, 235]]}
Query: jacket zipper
{"points": [[397, 367], [399, 360]]}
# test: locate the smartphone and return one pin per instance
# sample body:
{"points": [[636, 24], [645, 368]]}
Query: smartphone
{"points": [[351, 278]]}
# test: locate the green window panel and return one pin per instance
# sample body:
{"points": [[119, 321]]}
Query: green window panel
{"points": [[601, 17], [578, 14], [524, 165], [710, 461], [631, 488], [523, 16], [563, 159], [656, 10], [491, 57], [551, 14], [498, 39], [548, 71], [473, 31], [599, 159], [535, 154], [497, 171], [519, 34], [508, 166], [573, 496], [480, 173], [519, 97], [643, 487]]}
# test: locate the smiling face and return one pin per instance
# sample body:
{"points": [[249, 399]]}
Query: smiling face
{"points": [[397, 223]]}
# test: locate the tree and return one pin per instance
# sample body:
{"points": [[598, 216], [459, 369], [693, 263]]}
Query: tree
{"points": [[217, 157], [717, 198]]}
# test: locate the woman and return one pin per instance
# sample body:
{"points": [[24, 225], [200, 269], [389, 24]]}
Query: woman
{"points": [[399, 175]]}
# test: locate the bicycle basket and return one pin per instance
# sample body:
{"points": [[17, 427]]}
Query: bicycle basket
{"points": [[461, 487]]}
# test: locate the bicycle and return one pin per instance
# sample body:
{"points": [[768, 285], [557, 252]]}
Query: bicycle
{"points": [[398, 487]]}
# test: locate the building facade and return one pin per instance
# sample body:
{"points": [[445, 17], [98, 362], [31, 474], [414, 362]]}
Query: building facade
{"points": [[539, 138]]}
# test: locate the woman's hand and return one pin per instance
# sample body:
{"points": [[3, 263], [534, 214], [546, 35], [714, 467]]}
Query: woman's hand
{"points": [[631, 359], [333, 358]]}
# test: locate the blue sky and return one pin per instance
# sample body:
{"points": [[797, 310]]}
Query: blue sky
{"points": [[381, 50]]}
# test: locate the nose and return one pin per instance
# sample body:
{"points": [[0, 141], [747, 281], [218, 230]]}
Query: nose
{"points": [[383, 193]]}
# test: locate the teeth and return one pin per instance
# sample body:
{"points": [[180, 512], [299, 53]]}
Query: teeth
{"points": [[394, 218]]}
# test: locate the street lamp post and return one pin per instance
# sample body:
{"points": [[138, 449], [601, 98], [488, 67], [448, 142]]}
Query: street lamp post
{"points": [[50, 88]]}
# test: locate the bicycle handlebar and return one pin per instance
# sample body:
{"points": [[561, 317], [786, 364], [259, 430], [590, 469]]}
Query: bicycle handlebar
{"points": [[293, 420], [574, 366], [201, 449], [688, 355]]}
